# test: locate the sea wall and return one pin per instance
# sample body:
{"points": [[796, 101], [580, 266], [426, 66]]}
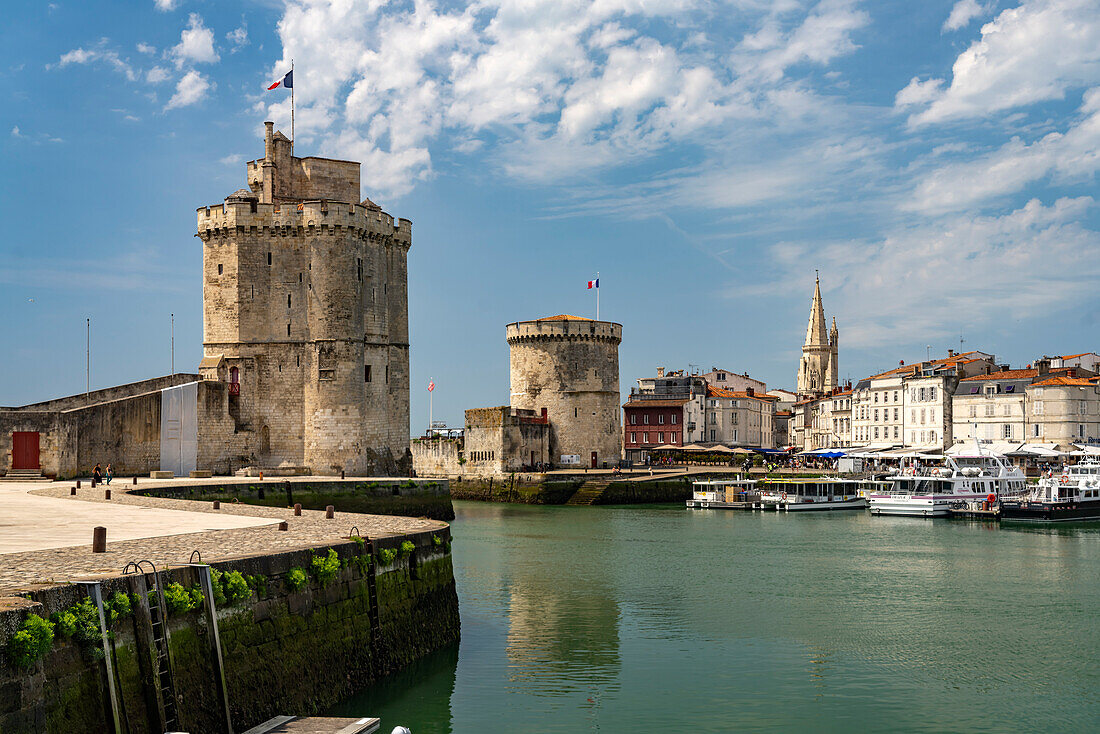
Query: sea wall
{"points": [[407, 497], [309, 629], [642, 493], [514, 489]]}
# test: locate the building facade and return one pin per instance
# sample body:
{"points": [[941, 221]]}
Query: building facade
{"points": [[817, 371], [569, 366], [305, 316], [736, 418]]}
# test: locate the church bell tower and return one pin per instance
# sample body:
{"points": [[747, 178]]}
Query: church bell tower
{"points": [[817, 371]]}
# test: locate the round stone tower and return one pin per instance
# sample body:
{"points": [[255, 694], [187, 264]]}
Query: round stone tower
{"points": [[570, 366]]}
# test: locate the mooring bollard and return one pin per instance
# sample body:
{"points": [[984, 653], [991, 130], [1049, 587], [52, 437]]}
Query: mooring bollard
{"points": [[78, 484], [284, 525], [106, 494], [99, 539], [261, 476], [298, 509], [135, 481], [342, 474], [217, 505], [72, 491], [329, 512]]}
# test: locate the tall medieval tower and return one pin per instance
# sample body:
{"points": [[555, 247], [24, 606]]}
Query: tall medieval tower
{"points": [[305, 315], [569, 366], [817, 372]]}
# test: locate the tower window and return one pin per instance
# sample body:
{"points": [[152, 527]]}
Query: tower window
{"points": [[366, 373], [219, 269], [297, 360], [360, 268], [299, 277], [288, 329], [269, 258], [288, 300], [387, 374]]}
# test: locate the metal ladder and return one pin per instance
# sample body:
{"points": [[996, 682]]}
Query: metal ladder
{"points": [[158, 618]]}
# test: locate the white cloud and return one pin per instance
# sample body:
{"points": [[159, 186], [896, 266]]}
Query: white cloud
{"points": [[964, 12], [963, 271], [190, 89], [156, 75], [196, 44], [231, 160], [15, 132], [1067, 157], [238, 37], [824, 34], [545, 88], [98, 53], [146, 48], [165, 6], [1030, 53], [917, 92]]}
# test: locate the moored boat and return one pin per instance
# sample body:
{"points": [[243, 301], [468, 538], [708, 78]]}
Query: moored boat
{"points": [[819, 494], [1072, 495], [931, 491], [724, 494]]}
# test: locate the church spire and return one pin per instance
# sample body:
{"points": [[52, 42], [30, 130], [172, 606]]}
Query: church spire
{"points": [[816, 331]]}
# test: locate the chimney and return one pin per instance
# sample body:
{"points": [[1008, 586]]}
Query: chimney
{"points": [[1043, 365], [269, 141], [950, 352], [660, 372], [901, 363], [749, 391]]}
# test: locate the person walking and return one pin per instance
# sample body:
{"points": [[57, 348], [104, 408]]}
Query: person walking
{"points": [[97, 475], [107, 475]]}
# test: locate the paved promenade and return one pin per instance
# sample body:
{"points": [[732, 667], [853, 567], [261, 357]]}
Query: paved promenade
{"points": [[46, 535]]}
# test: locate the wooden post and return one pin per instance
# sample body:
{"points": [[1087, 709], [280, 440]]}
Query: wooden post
{"points": [[99, 539], [297, 509], [284, 525], [330, 511]]}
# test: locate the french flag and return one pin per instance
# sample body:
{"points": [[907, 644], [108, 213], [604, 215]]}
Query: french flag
{"points": [[287, 81], [593, 284]]}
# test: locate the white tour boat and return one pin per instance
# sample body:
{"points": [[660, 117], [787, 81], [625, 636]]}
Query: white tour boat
{"points": [[724, 494], [823, 493], [930, 491], [1072, 495]]}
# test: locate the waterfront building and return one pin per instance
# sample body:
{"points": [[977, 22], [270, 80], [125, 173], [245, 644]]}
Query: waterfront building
{"points": [[910, 405], [1085, 362], [824, 421], [735, 418], [656, 412], [817, 370], [727, 380], [1065, 409], [781, 428], [993, 407]]}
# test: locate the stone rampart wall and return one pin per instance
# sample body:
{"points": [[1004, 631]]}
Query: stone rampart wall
{"points": [[285, 650]]}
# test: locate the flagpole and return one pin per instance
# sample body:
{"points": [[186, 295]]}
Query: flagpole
{"points": [[597, 295], [431, 407], [292, 84]]}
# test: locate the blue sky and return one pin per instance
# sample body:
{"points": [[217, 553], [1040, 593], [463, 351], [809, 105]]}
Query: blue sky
{"points": [[936, 161]]}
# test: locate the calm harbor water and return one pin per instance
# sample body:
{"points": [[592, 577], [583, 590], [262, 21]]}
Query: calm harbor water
{"points": [[662, 619]]}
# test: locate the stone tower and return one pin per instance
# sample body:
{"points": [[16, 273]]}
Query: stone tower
{"points": [[570, 366], [817, 372], [305, 314]]}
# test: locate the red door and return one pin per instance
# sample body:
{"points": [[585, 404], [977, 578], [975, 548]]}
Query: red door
{"points": [[593, 459], [24, 450]]}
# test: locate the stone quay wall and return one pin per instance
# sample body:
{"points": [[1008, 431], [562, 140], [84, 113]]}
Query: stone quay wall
{"points": [[406, 497], [287, 649], [570, 368]]}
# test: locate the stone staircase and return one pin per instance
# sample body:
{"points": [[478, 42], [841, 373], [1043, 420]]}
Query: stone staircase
{"points": [[24, 475], [589, 492]]}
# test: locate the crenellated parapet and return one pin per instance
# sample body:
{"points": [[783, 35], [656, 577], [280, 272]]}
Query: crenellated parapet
{"points": [[562, 328], [309, 218]]}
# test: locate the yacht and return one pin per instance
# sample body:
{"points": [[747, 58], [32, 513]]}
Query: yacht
{"points": [[1072, 495], [724, 494], [930, 491], [824, 493]]}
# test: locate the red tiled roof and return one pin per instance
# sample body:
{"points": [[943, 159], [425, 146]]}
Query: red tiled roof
{"points": [[1063, 380], [669, 403], [1004, 375], [564, 317], [1071, 356], [721, 392]]}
